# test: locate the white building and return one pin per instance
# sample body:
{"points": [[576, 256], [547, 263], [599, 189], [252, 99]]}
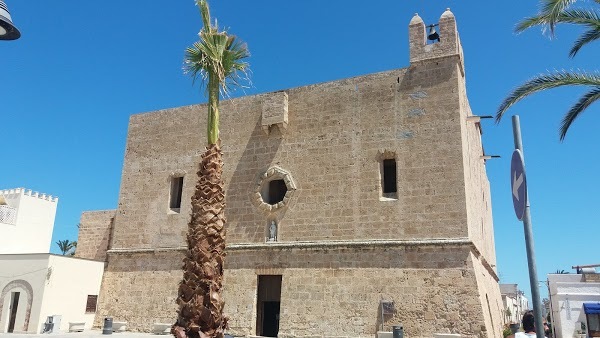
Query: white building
{"points": [[569, 294], [42, 285], [26, 221], [35, 284], [515, 303]]}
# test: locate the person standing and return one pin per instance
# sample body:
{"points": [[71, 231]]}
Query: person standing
{"points": [[528, 323]]}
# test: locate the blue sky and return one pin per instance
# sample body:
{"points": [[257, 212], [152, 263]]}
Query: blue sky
{"points": [[82, 68]]}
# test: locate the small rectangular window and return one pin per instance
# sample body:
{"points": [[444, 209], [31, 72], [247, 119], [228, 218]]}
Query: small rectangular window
{"points": [[389, 176], [90, 306], [389, 186], [176, 190]]}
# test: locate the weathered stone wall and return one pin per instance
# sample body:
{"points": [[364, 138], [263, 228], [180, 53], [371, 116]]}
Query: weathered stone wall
{"points": [[329, 291], [336, 134], [337, 291], [140, 288], [94, 234], [489, 295]]}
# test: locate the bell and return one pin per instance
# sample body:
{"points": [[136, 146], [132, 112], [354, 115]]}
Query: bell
{"points": [[433, 35], [8, 31]]}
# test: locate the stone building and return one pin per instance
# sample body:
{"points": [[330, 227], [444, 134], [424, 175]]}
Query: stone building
{"points": [[352, 206]]}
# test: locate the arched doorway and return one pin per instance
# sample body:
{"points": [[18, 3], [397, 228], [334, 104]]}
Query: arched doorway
{"points": [[14, 297]]}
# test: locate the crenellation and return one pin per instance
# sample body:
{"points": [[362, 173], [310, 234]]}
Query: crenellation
{"points": [[15, 192]]}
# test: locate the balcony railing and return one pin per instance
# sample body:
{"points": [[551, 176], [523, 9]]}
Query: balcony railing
{"points": [[8, 215]]}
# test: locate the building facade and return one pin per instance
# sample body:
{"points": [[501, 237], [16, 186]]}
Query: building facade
{"points": [[352, 206], [35, 284], [569, 295], [22, 214], [515, 303]]}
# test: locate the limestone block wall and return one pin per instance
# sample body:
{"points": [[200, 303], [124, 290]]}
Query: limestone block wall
{"points": [[336, 136], [335, 291], [140, 288], [490, 299], [477, 186], [94, 234]]}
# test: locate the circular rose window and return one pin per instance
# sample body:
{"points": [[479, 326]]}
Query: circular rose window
{"points": [[274, 189]]}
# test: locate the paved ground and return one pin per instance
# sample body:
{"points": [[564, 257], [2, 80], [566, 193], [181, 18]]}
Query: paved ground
{"points": [[85, 334]]}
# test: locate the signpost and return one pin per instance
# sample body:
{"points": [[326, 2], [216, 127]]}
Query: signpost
{"points": [[518, 184]]}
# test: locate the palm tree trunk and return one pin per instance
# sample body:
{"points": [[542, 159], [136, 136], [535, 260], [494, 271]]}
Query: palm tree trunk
{"points": [[200, 292], [212, 132]]}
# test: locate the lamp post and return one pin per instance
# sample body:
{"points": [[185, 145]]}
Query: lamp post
{"points": [[8, 31]]}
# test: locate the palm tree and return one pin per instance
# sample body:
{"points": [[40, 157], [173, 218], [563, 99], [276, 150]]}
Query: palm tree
{"points": [[73, 248], [216, 59], [555, 12], [65, 246]]}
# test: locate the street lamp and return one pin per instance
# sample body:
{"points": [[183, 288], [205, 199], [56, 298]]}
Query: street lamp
{"points": [[8, 31]]}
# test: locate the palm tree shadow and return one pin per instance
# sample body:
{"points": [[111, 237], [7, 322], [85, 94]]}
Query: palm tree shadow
{"points": [[245, 222]]}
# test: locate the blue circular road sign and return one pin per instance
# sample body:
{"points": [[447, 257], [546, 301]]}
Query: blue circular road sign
{"points": [[518, 183]]}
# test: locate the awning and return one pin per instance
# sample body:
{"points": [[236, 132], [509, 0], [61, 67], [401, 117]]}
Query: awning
{"points": [[591, 308]]}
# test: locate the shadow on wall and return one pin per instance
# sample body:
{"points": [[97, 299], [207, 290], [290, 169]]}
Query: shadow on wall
{"points": [[261, 148]]}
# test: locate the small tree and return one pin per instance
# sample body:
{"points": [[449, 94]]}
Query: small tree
{"points": [[65, 246]]}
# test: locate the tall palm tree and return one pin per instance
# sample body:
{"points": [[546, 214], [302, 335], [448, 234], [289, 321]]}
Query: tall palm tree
{"points": [[65, 246], [217, 59], [552, 13]]}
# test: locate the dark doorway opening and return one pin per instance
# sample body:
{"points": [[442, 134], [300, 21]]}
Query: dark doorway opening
{"points": [[14, 303], [268, 305]]}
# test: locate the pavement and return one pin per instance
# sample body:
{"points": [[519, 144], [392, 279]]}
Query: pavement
{"points": [[84, 334]]}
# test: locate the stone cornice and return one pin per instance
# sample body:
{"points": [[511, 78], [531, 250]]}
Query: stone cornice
{"points": [[377, 243], [314, 245]]}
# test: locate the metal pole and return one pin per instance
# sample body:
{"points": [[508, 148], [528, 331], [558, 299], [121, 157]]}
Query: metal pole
{"points": [[533, 280]]}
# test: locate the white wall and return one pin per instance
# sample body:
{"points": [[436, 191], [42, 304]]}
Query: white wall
{"points": [[71, 281], [32, 232], [568, 292], [33, 269]]}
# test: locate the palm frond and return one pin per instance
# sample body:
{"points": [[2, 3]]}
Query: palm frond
{"points": [[195, 63], [546, 81], [220, 53], [584, 102], [585, 17], [587, 37], [552, 10], [233, 65], [580, 16]]}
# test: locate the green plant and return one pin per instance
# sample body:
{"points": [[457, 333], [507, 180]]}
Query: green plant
{"points": [[555, 12], [507, 331]]}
